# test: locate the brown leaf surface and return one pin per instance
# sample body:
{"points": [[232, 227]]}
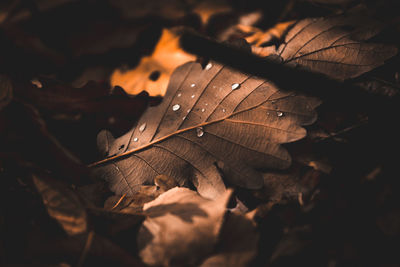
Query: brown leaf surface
{"points": [[238, 243], [153, 72], [211, 119], [335, 45], [181, 227], [63, 205]]}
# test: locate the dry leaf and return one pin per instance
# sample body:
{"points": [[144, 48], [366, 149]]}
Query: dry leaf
{"points": [[181, 227], [153, 72], [63, 205], [334, 46], [238, 243], [211, 120], [132, 204], [258, 39]]}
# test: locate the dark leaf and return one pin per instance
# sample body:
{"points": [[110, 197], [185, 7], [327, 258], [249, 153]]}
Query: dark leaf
{"points": [[211, 119], [94, 98], [63, 205], [238, 243]]}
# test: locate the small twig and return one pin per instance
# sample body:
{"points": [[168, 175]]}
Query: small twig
{"points": [[119, 201], [285, 77], [345, 130]]}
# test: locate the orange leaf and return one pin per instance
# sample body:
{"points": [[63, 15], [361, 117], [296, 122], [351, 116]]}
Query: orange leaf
{"points": [[153, 72]]}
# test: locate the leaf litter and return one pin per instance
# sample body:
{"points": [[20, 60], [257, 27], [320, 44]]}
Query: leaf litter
{"points": [[229, 169]]}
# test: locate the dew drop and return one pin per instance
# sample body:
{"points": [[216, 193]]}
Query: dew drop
{"points": [[192, 85], [179, 95], [235, 86], [223, 110], [208, 66], [192, 96], [203, 109], [135, 139], [199, 131], [142, 127], [176, 107], [206, 104], [279, 113]]}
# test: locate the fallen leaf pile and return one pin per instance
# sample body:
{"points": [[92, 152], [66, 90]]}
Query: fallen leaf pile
{"points": [[199, 133]]}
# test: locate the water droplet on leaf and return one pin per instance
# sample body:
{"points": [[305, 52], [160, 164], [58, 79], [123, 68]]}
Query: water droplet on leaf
{"points": [[176, 107], [135, 139], [208, 66], [199, 131], [279, 113], [192, 85], [142, 127], [235, 86]]}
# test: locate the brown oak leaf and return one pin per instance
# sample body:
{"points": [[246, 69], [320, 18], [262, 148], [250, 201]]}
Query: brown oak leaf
{"points": [[211, 120]]}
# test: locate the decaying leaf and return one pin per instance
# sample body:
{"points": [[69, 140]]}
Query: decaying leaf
{"points": [[181, 227], [153, 72], [238, 243], [336, 46], [211, 120], [63, 206]]}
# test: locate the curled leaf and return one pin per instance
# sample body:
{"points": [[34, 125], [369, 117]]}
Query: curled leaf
{"points": [[181, 227]]}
